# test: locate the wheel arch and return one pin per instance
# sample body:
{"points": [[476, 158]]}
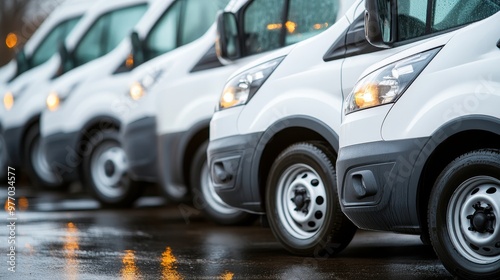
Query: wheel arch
{"points": [[281, 135], [34, 120], [194, 138], [451, 140], [93, 126]]}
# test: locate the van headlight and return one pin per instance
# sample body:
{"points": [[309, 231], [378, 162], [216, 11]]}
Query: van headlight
{"points": [[53, 101], [8, 100], [240, 89], [388, 83], [139, 89]]}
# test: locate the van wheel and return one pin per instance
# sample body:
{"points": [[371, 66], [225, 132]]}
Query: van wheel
{"points": [[206, 199], [464, 215], [302, 203], [35, 162], [105, 171]]}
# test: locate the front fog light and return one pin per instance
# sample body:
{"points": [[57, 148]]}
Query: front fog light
{"points": [[8, 100], [53, 101]]}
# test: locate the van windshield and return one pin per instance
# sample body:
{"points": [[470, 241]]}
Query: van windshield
{"points": [[414, 20]]}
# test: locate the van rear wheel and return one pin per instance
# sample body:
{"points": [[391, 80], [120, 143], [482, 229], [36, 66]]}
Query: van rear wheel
{"points": [[464, 215]]}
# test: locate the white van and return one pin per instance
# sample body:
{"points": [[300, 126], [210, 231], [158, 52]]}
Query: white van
{"points": [[420, 138], [29, 91], [85, 145], [273, 144], [185, 99], [41, 46]]}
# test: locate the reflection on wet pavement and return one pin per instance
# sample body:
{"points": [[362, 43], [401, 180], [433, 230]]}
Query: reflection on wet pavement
{"points": [[129, 270], [168, 265], [159, 242], [70, 248]]}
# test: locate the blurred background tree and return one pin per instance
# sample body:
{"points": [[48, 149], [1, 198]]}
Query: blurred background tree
{"points": [[19, 19]]}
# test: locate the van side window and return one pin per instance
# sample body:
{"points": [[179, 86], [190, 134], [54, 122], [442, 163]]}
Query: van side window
{"points": [[412, 16], [106, 33], [49, 45], [199, 15], [184, 22], [414, 21], [263, 24], [307, 18], [268, 25], [163, 36]]}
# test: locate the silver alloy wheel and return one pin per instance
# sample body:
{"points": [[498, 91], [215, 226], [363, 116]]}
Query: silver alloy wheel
{"points": [[301, 201], [109, 167], [473, 219], [210, 195], [40, 163]]}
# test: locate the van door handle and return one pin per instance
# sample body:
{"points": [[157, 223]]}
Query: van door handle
{"points": [[498, 44]]}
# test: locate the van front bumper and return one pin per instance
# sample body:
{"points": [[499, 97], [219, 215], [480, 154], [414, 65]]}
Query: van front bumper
{"points": [[234, 171], [377, 184], [13, 139], [139, 142], [63, 155]]}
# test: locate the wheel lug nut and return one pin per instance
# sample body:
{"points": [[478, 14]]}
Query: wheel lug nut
{"points": [[469, 217]]}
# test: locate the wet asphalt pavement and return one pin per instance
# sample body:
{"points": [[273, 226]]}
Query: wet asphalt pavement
{"points": [[61, 237]]}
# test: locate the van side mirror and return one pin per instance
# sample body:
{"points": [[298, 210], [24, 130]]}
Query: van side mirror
{"points": [[228, 44], [380, 22], [137, 48]]}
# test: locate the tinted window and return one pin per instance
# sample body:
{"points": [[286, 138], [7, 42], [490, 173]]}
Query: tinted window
{"points": [[414, 21], [106, 33], [266, 27], [263, 25], [308, 18], [163, 36], [184, 22], [49, 45], [199, 15]]}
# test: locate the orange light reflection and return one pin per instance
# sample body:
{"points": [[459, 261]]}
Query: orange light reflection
{"points": [[168, 261], [70, 248], [129, 270]]}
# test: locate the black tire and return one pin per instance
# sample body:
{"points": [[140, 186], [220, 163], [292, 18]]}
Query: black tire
{"points": [[105, 171], [458, 230], [205, 198], [306, 170], [36, 165]]}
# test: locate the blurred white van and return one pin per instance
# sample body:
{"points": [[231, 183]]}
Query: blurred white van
{"points": [[85, 145], [41, 46], [111, 20]]}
